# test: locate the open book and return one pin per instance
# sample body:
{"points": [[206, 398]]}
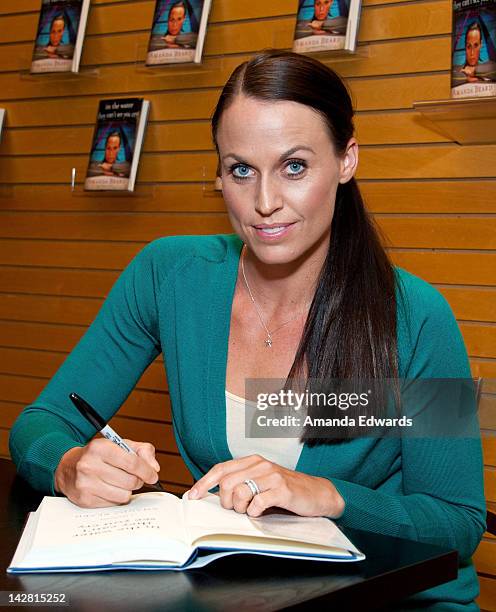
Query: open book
{"points": [[161, 531]]}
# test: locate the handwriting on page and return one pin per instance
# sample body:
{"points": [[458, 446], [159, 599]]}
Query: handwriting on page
{"points": [[124, 521]]}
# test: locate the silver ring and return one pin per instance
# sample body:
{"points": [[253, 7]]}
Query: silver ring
{"points": [[253, 486]]}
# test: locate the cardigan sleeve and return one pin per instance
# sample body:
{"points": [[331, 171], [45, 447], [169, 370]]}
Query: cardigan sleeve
{"points": [[443, 496], [103, 368]]}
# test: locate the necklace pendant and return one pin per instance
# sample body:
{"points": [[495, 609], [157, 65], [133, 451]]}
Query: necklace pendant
{"points": [[268, 342]]}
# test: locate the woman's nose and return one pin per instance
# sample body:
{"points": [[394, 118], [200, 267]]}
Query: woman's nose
{"points": [[268, 199]]}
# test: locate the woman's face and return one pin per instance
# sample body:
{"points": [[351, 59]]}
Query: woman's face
{"points": [[112, 149], [473, 47], [176, 19], [56, 32], [321, 9], [280, 174]]}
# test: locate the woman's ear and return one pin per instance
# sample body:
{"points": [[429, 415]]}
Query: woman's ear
{"points": [[218, 183], [349, 161]]}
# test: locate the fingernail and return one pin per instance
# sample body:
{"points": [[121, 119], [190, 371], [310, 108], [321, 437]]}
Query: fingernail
{"points": [[192, 494]]}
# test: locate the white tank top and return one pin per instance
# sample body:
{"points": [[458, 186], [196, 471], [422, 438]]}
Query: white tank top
{"points": [[283, 451]]}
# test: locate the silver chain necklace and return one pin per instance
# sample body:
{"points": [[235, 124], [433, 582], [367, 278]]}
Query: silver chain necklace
{"points": [[268, 340]]}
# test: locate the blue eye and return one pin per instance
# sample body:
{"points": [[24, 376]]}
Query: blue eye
{"points": [[296, 167], [241, 171]]}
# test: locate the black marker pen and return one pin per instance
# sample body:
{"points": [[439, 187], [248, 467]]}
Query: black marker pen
{"points": [[99, 424]]}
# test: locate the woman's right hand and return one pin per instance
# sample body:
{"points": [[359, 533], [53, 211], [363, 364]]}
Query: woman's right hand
{"points": [[102, 474]]}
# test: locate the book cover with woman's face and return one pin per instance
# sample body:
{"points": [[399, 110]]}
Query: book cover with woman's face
{"points": [[321, 25], [473, 66], [56, 35], [113, 145], [174, 32]]}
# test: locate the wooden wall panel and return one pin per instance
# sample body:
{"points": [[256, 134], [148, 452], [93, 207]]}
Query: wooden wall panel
{"points": [[61, 251]]}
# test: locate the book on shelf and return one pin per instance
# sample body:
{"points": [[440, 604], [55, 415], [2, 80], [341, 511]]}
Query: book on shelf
{"points": [[178, 31], [473, 57], [117, 142], [60, 35], [161, 531], [326, 25]]}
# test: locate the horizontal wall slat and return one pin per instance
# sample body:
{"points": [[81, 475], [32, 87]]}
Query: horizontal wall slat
{"points": [[485, 368], [435, 267], [480, 339], [60, 282], [48, 309], [471, 304], [373, 128], [66, 254], [385, 58], [449, 267], [107, 226], [164, 106], [97, 283], [490, 484], [368, 94], [439, 232], [44, 364], [178, 137], [487, 418], [404, 231], [469, 196], [19, 391], [434, 196], [375, 163], [487, 597], [172, 470], [489, 448], [484, 557], [467, 304]]}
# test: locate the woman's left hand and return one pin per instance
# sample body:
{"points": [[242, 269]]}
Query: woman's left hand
{"points": [[297, 492]]}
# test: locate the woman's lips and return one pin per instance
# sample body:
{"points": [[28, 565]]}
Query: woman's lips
{"points": [[273, 232]]}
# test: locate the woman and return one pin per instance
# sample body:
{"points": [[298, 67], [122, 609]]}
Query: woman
{"points": [[303, 288], [473, 44], [57, 28], [175, 21]]}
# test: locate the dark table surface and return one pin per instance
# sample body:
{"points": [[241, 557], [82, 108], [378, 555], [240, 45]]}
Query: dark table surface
{"points": [[394, 568]]}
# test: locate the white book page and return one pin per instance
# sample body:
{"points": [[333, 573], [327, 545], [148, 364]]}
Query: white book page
{"points": [[206, 519], [149, 527]]}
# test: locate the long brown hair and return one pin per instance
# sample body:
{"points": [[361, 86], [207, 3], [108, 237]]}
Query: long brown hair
{"points": [[350, 331]]}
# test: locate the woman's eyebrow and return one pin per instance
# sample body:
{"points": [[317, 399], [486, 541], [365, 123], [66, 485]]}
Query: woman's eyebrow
{"points": [[281, 158]]}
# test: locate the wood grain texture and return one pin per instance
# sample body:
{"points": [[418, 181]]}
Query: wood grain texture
{"points": [[484, 557], [381, 93], [384, 58], [61, 251], [487, 597], [489, 448], [381, 196]]}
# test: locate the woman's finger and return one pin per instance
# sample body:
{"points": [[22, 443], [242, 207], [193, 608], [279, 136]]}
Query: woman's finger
{"points": [[220, 470]]}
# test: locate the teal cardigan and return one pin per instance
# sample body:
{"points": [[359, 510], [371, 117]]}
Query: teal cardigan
{"points": [[175, 297]]}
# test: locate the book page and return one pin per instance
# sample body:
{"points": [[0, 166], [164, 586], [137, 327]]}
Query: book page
{"points": [[146, 524], [309, 529], [206, 517]]}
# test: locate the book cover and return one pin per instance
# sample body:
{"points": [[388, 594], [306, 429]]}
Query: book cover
{"points": [[324, 25], [473, 58], [60, 35], [117, 142], [178, 31]]}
